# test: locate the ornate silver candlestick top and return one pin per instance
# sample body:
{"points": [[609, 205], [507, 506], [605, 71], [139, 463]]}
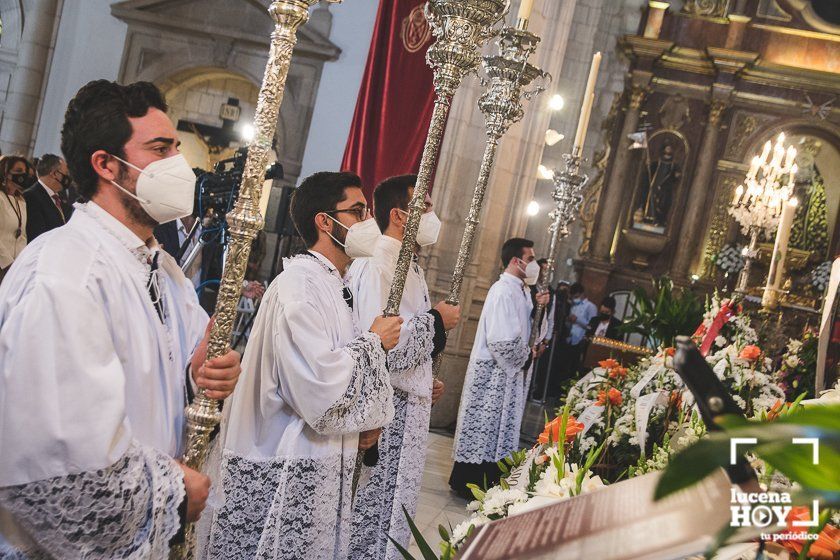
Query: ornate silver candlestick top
{"points": [[508, 73], [460, 27], [568, 197]]}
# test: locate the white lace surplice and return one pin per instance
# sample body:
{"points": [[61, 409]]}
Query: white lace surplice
{"points": [[394, 482], [495, 387], [311, 382], [92, 394]]}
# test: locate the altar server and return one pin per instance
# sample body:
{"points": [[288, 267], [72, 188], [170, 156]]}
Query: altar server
{"points": [[99, 328], [394, 481], [495, 387], [314, 379]]}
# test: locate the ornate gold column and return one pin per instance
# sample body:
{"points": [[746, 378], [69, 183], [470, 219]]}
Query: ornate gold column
{"points": [[696, 201], [604, 234]]}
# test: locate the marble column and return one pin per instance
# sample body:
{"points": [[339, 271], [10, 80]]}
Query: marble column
{"points": [[696, 201], [25, 86], [603, 236]]}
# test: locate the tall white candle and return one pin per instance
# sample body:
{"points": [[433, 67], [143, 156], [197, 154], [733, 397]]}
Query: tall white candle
{"points": [[588, 100], [777, 261], [525, 8]]}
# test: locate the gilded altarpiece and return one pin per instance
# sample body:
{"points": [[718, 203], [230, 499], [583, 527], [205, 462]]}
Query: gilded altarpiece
{"points": [[706, 88]]}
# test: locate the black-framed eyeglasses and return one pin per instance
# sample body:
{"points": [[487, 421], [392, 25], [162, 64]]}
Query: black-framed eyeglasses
{"points": [[361, 213]]}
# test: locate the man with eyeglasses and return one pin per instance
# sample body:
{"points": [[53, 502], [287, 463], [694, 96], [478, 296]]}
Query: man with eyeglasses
{"points": [[314, 393]]}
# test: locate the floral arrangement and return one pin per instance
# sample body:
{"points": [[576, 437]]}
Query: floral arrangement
{"points": [[531, 479], [730, 259], [798, 367], [819, 277], [622, 421]]}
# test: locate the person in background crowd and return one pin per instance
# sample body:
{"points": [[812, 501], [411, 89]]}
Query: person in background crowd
{"points": [[44, 208], [581, 313], [556, 367], [16, 175], [605, 324]]}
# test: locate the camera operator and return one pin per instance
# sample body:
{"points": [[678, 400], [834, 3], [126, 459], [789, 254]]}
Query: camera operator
{"points": [[205, 269]]}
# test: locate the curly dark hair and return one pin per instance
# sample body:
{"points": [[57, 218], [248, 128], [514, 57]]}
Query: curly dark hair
{"points": [[97, 119]]}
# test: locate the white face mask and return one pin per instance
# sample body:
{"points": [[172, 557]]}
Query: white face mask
{"points": [[428, 230], [531, 272], [165, 188], [361, 238]]}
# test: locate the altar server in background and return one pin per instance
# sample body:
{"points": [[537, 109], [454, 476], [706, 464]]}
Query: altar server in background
{"points": [[394, 481], [494, 394], [314, 380]]}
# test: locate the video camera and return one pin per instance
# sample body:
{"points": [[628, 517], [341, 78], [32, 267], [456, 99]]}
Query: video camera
{"points": [[217, 190]]}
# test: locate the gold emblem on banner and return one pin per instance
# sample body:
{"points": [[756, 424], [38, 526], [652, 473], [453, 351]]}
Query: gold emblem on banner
{"points": [[415, 30]]}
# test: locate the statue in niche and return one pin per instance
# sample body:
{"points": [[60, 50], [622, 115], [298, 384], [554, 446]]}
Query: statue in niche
{"points": [[657, 191]]}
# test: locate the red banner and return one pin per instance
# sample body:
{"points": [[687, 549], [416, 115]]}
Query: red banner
{"points": [[396, 98]]}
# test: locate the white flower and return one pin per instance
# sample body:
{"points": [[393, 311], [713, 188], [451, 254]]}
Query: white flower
{"points": [[794, 346], [740, 402], [720, 341], [831, 395], [474, 505], [459, 533]]}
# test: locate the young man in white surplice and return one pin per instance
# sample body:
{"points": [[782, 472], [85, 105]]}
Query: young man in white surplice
{"points": [[314, 380], [99, 330], [394, 481], [498, 375]]}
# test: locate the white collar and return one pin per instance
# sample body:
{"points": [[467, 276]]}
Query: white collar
{"points": [[511, 279], [326, 262], [143, 250], [388, 247], [50, 192]]}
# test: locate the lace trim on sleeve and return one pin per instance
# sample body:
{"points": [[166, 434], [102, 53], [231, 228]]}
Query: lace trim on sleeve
{"points": [[510, 354], [367, 403], [127, 510], [417, 348]]}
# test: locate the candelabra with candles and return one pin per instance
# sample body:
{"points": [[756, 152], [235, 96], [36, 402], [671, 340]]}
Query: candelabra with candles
{"points": [[508, 73], [760, 200], [568, 191]]}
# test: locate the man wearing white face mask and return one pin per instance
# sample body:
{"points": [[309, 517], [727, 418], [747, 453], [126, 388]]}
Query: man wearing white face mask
{"points": [[493, 398], [100, 331], [314, 380], [394, 481]]}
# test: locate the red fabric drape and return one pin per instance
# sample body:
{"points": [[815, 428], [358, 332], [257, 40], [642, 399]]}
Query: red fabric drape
{"points": [[396, 98]]}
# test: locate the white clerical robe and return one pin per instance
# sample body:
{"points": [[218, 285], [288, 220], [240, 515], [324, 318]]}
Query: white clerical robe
{"points": [[92, 393], [394, 482], [495, 387], [311, 381]]}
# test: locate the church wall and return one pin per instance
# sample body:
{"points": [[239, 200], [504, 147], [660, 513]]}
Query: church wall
{"points": [[89, 46], [597, 25]]}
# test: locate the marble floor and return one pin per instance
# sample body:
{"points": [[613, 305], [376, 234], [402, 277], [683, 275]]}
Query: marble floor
{"points": [[437, 505]]}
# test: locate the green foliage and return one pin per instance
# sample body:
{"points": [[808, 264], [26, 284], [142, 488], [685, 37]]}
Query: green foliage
{"points": [[670, 313], [774, 446], [422, 544]]}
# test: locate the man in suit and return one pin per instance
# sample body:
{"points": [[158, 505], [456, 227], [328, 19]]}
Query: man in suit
{"points": [[44, 207], [605, 324]]}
